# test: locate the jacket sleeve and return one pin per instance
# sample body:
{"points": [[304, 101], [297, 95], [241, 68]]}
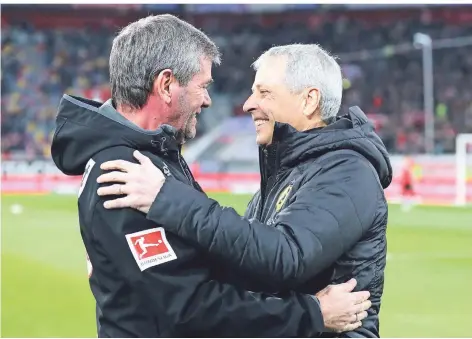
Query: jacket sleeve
{"points": [[186, 301], [322, 221]]}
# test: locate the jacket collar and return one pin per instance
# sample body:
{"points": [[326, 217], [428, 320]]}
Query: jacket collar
{"points": [[352, 131], [290, 147], [163, 138]]}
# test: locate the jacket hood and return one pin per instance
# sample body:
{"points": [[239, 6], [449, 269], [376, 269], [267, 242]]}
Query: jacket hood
{"points": [[352, 131], [85, 127]]}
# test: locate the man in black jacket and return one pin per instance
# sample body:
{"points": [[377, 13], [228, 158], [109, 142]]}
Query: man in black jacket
{"points": [[320, 216], [148, 282]]}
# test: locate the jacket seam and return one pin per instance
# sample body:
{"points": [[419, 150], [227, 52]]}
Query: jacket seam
{"points": [[80, 103], [92, 218], [355, 209], [334, 217], [363, 136], [339, 226], [363, 159]]}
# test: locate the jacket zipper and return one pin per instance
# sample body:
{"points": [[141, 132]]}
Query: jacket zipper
{"points": [[262, 162], [265, 184], [184, 168]]}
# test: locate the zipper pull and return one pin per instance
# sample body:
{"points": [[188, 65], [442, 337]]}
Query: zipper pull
{"points": [[160, 145]]}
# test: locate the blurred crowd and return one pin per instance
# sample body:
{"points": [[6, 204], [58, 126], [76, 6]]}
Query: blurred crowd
{"points": [[389, 88], [37, 68], [39, 65]]}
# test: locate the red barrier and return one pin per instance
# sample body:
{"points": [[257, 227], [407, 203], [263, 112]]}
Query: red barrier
{"points": [[431, 190], [39, 184]]}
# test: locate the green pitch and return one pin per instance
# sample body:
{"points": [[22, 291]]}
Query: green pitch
{"points": [[45, 290]]}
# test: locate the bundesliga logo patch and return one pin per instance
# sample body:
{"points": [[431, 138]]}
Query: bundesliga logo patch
{"points": [[150, 247]]}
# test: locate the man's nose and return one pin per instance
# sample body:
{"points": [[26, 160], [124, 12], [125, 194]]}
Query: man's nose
{"points": [[249, 105], [206, 100]]}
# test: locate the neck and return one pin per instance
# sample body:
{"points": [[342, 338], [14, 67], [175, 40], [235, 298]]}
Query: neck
{"points": [[150, 117], [312, 123]]}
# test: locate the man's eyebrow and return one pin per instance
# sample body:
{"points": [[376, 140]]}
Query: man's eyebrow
{"points": [[258, 86]]}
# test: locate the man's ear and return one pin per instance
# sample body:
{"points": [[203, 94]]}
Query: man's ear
{"points": [[312, 101], [162, 85]]}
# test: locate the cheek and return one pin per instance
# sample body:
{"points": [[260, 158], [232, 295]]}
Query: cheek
{"points": [[193, 97], [275, 110], [196, 101], [268, 107], [287, 111], [200, 95]]}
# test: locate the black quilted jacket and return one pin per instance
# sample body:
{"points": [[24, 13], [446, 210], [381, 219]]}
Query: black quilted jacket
{"points": [[319, 218]]}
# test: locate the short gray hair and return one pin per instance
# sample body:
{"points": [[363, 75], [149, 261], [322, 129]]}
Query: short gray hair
{"points": [[307, 66], [146, 47]]}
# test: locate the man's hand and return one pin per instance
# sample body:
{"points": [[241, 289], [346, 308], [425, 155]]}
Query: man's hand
{"points": [[343, 309], [140, 183]]}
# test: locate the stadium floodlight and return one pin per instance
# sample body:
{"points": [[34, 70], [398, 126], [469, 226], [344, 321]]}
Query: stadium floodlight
{"points": [[421, 39], [462, 164], [424, 42]]}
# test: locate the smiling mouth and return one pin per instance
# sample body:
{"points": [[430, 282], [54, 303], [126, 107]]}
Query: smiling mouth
{"points": [[260, 122]]}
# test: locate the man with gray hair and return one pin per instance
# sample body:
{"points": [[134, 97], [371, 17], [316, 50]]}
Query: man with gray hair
{"points": [[320, 216], [148, 282]]}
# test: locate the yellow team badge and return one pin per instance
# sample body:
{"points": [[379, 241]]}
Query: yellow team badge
{"points": [[282, 198]]}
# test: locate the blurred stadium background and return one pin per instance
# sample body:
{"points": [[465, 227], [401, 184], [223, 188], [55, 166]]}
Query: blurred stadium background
{"points": [[417, 91]]}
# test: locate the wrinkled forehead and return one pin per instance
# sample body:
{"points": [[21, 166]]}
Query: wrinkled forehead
{"points": [[271, 70]]}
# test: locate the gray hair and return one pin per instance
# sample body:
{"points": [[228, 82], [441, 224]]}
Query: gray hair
{"points": [[311, 66], [146, 47]]}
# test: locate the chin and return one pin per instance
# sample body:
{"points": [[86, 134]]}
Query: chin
{"points": [[261, 140], [190, 135]]}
